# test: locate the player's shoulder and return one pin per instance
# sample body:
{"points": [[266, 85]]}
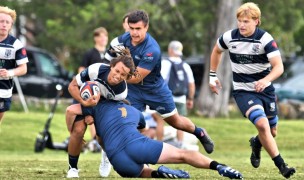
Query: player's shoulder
{"points": [[14, 42]]}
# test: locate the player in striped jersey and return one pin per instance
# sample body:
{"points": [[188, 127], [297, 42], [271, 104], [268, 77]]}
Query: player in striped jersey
{"points": [[256, 62], [13, 58]]}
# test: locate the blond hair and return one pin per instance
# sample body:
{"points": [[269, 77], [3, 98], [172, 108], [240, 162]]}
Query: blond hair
{"points": [[8, 11], [250, 10], [100, 30]]}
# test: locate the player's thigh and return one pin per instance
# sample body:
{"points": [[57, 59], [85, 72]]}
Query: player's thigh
{"points": [[246, 100], [170, 154], [5, 104], [125, 166], [145, 150]]}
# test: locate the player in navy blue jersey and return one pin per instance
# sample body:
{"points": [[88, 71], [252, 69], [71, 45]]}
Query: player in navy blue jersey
{"points": [[149, 88], [129, 151], [13, 58], [256, 62], [111, 80]]}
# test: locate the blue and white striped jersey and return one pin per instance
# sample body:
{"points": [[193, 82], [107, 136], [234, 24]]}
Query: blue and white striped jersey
{"points": [[99, 72], [249, 57], [12, 54]]}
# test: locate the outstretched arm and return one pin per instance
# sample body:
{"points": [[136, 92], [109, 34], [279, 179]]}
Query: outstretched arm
{"points": [[142, 73]]}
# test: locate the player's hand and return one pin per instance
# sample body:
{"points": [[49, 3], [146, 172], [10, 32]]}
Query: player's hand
{"points": [[89, 120], [92, 101], [261, 84], [214, 82], [189, 103], [7, 74]]}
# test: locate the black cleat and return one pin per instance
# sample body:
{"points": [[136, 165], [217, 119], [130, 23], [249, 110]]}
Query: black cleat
{"points": [[255, 157], [287, 171], [206, 141]]}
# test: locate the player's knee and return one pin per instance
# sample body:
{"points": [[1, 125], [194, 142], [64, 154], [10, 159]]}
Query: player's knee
{"points": [[274, 132], [255, 115], [78, 130]]}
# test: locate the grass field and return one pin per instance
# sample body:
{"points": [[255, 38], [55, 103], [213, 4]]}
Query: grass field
{"points": [[19, 130]]}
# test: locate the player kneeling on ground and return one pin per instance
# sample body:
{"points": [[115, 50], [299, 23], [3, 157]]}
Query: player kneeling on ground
{"points": [[129, 151]]}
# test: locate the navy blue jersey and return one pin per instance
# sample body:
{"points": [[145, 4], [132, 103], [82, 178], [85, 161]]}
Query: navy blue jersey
{"points": [[116, 124], [146, 55], [249, 57], [99, 72], [12, 54]]}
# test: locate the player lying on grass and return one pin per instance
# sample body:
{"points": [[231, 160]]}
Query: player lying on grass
{"points": [[129, 151]]}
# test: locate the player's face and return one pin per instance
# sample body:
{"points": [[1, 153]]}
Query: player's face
{"points": [[118, 73], [101, 39], [6, 23], [138, 32], [247, 25]]}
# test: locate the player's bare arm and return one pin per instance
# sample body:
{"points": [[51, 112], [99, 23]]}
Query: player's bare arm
{"points": [[75, 93], [276, 71], [215, 59], [18, 71], [142, 73]]}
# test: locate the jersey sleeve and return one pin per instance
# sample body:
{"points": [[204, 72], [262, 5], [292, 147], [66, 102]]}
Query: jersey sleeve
{"points": [[223, 40], [189, 72], [271, 47], [115, 45], [88, 74], [21, 56]]}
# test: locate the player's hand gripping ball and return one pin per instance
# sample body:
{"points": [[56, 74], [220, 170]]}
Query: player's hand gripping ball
{"points": [[89, 89]]}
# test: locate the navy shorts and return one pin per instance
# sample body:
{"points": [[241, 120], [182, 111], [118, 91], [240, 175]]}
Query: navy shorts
{"points": [[5, 104], [160, 100], [130, 161], [246, 99]]}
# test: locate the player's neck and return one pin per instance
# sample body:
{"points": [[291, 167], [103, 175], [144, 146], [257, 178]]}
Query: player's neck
{"points": [[100, 48], [2, 37]]}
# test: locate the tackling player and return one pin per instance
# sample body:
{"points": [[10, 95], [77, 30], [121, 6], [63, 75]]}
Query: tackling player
{"points": [[149, 87], [112, 83], [13, 58], [256, 61], [129, 151]]}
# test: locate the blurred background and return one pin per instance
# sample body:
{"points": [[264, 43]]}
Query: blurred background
{"points": [[58, 32]]}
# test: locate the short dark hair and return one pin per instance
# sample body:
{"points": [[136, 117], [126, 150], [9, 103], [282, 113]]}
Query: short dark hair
{"points": [[138, 15]]}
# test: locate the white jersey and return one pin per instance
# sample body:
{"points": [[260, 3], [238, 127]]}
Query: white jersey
{"points": [[12, 54], [249, 57]]}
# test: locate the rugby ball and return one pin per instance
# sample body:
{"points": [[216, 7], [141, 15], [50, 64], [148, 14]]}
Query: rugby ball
{"points": [[89, 89]]}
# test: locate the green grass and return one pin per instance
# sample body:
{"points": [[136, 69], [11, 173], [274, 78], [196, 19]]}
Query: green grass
{"points": [[19, 130]]}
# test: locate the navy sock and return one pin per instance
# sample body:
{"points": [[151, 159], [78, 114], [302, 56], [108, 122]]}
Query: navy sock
{"points": [[73, 161], [278, 161], [257, 142], [213, 165], [198, 132], [155, 174]]}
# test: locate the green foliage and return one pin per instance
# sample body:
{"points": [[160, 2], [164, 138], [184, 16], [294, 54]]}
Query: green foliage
{"points": [[18, 160]]}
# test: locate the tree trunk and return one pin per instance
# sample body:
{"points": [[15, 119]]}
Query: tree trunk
{"points": [[209, 104]]}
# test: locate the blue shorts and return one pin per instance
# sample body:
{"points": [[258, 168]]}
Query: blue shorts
{"points": [[5, 104], [267, 100], [130, 161], [160, 100]]}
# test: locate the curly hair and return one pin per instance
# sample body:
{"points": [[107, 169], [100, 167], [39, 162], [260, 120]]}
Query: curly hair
{"points": [[125, 57]]}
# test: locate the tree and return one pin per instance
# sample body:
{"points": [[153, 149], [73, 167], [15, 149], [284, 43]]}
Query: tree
{"points": [[210, 104]]}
